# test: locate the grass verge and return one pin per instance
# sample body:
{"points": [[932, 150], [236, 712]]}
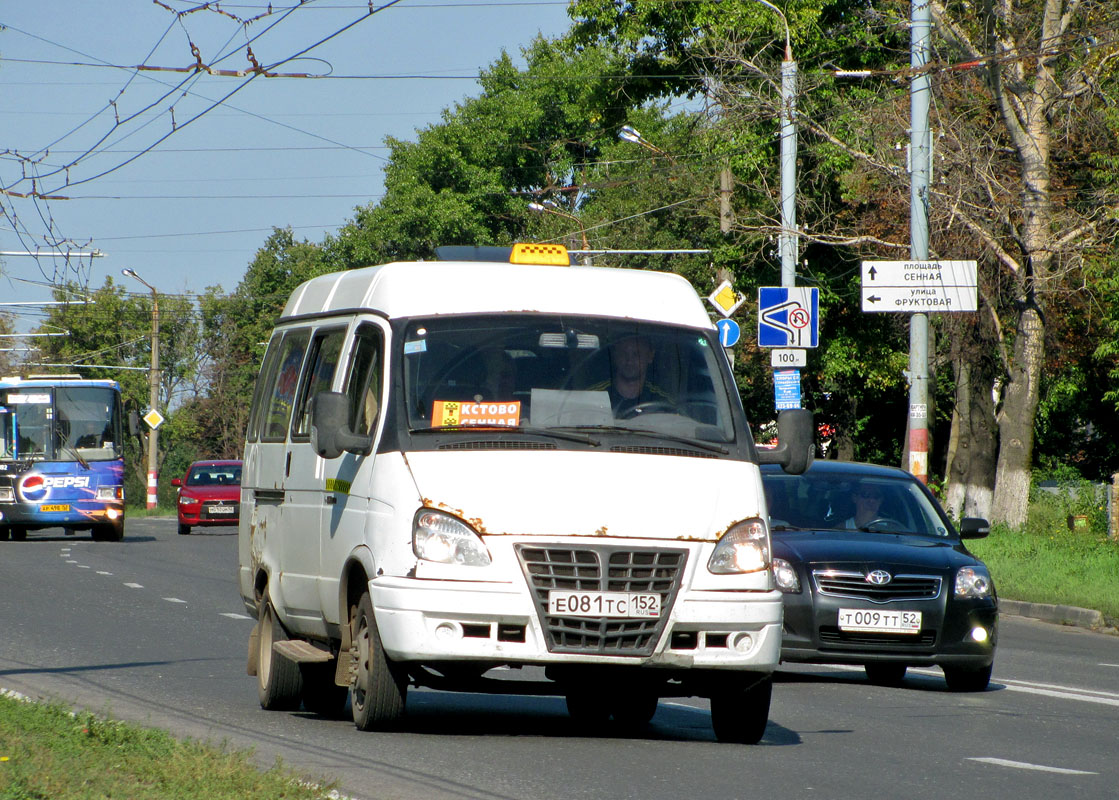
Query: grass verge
{"points": [[49, 751]]}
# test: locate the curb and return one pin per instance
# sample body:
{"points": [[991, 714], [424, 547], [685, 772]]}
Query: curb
{"points": [[1058, 615]]}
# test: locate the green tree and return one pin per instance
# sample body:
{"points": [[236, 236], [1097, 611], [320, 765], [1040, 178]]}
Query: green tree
{"points": [[234, 333]]}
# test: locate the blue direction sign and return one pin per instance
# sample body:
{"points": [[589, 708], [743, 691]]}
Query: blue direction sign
{"points": [[786, 388], [728, 332], [788, 316]]}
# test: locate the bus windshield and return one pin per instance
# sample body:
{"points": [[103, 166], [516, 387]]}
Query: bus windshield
{"points": [[62, 423]]}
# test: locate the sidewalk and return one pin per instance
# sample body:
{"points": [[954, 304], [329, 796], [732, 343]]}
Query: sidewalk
{"points": [[1059, 615]]}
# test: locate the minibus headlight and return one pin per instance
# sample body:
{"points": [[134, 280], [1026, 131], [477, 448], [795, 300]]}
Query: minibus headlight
{"points": [[744, 548], [446, 540], [7, 494], [110, 492]]}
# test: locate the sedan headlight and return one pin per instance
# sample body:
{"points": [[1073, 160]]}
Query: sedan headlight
{"points": [[785, 576], [188, 501], [973, 582], [446, 540], [744, 548]]}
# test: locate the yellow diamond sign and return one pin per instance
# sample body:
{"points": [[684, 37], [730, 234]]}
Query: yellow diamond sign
{"points": [[153, 418], [726, 299]]}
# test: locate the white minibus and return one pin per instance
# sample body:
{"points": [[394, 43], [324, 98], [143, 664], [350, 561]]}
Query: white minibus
{"points": [[524, 477]]}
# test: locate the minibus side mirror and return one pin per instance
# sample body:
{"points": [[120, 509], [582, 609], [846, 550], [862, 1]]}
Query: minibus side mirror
{"points": [[330, 427], [795, 448]]}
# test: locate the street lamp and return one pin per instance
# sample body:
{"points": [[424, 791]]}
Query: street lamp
{"points": [[153, 395], [548, 207], [628, 133]]}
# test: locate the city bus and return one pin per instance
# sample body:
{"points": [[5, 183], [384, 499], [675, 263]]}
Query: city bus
{"points": [[61, 456]]}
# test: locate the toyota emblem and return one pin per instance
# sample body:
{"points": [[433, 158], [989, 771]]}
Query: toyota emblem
{"points": [[879, 577]]}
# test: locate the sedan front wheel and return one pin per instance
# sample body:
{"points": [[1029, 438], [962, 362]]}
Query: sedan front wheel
{"points": [[967, 679]]}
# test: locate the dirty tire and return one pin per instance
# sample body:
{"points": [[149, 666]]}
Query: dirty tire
{"points": [[279, 683], [19, 534], [885, 674], [740, 715], [965, 679], [380, 688], [184, 530], [4, 534], [321, 695]]}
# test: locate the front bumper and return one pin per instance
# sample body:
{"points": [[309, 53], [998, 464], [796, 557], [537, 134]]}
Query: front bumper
{"points": [[428, 620], [199, 514], [811, 634]]}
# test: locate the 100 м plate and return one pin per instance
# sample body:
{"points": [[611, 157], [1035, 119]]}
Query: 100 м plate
{"points": [[879, 621], [622, 605]]}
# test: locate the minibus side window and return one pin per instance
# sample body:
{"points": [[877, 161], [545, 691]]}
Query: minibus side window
{"points": [[263, 387], [363, 383], [281, 398], [322, 361]]}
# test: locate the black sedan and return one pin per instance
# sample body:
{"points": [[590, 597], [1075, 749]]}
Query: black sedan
{"points": [[874, 573]]}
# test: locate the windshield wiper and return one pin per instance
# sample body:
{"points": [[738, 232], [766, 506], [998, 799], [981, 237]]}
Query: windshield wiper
{"points": [[700, 443], [555, 433]]}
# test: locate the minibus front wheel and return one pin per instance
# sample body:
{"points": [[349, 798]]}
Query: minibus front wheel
{"points": [[379, 688]]}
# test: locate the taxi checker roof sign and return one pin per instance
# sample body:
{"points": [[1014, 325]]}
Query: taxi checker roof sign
{"points": [[919, 286]]}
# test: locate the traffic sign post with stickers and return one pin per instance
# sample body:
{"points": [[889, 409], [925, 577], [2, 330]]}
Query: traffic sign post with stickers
{"points": [[789, 320]]}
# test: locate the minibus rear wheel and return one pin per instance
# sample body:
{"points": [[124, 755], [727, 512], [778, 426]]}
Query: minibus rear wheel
{"points": [[279, 683]]}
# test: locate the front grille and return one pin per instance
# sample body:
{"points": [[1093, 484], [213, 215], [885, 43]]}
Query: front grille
{"points": [[602, 569], [855, 584], [829, 634]]}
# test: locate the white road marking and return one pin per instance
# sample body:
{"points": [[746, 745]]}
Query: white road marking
{"points": [[83, 566], [71, 561], [1109, 665], [174, 600], [135, 585], [1002, 762], [235, 616], [1063, 692], [103, 572]]}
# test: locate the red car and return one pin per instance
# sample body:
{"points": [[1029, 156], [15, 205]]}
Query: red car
{"points": [[210, 494]]}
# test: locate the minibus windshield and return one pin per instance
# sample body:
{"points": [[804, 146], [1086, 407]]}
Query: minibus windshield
{"points": [[565, 373]]}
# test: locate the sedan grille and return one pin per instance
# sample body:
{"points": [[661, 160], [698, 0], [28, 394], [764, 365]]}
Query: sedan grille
{"points": [[855, 584], [602, 569]]}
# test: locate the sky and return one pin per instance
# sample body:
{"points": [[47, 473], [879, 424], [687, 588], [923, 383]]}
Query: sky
{"points": [[181, 176]]}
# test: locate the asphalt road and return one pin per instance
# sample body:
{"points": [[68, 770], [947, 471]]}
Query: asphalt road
{"points": [[152, 630]]}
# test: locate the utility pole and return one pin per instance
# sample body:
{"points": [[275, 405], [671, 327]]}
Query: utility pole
{"points": [[919, 147], [153, 397]]}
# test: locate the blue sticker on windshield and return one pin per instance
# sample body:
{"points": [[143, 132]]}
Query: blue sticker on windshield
{"points": [[417, 346]]}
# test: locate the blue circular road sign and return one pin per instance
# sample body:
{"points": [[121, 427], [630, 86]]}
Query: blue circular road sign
{"points": [[729, 332]]}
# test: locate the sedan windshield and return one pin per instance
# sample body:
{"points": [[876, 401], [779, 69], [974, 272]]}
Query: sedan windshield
{"points": [[565, 374], [849, 501]]}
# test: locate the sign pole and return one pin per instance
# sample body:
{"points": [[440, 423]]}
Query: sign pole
{"points": [[919, 236]]}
